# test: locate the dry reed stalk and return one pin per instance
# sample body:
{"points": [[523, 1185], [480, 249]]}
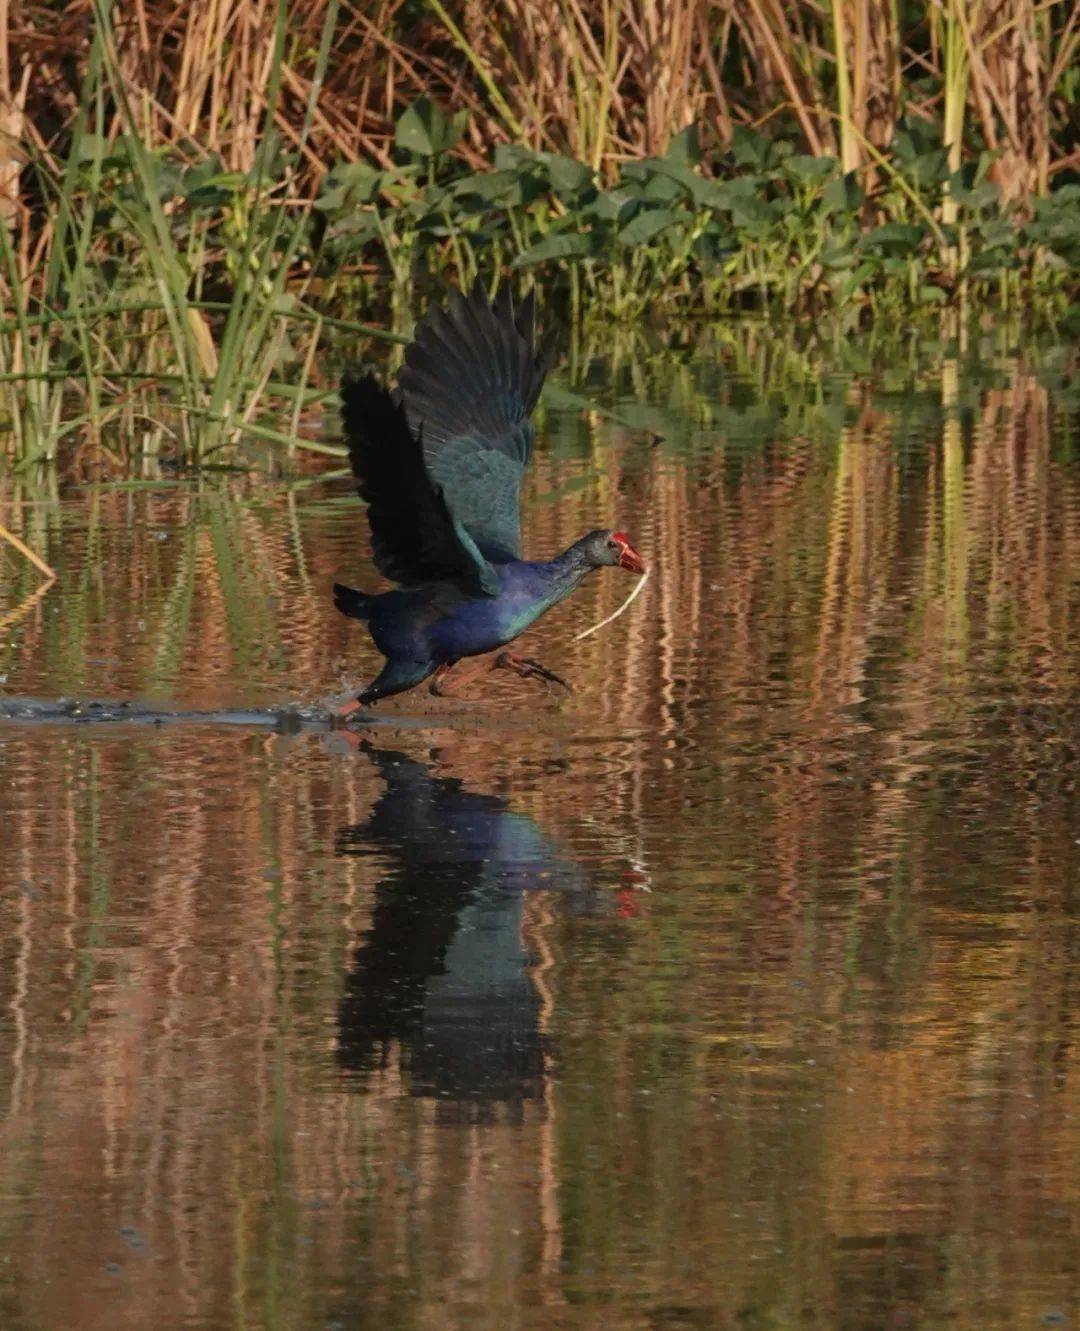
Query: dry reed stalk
{"points": [[13, 91], [561, 63], [664, 33], [1009, 89], [27, 553], [778, 47], [866, 48], [598, 79], [712, 62]]}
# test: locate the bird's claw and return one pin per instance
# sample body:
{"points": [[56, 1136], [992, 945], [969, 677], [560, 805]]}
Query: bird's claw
{"points": [[527, 668]]}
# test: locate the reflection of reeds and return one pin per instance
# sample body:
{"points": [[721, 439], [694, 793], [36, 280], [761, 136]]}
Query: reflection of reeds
{"points": [[837, 735]]}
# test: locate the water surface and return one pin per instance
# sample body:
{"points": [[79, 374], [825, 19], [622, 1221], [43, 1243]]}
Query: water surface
{"points": [[738, 990]]}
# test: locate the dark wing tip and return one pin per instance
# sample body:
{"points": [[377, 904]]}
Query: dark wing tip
{"points": [[359, 388], [371, 416], [525, 318], [362, 389], [503, 307]]}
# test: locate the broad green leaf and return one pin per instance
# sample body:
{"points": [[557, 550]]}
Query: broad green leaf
{"points": [[726, 194], [575, 245], [990, 261], [649, 224], [206, 185], [662, 189], [930, 168], [684, 149], [424, 130], [714, 246], [512, 157], [837, 257], [845, 286], [753, 215], [567, 176], [844, 194], [999, 231], [89, 147], [894, 239], [508, 188], [360, 181], [914, 137], [696, 187], [611, 205], [809, 170], [968, 190], [749, 148]]}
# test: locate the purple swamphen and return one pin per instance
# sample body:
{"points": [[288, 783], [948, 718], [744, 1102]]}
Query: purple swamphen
{"points": [[439, 462]]}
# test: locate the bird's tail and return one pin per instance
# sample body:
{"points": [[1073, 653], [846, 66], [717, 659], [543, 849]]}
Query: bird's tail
{"points": [[357, 605]]}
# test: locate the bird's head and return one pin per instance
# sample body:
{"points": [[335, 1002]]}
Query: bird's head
{"points": [[612, 548]]}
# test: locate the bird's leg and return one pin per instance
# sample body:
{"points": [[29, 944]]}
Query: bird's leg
{"points": [[527, 668], [396, 676], [436, 688], [463, 674]]}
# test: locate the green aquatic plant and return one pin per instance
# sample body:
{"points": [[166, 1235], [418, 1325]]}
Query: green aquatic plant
{"points": [[169, 286], [192, 305], [759, 225]]}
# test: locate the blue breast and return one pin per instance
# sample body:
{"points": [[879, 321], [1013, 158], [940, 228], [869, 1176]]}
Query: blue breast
{"points": [[480, 624]]}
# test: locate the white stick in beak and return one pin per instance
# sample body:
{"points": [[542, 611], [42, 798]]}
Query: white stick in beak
{"points": [[634, 591]]}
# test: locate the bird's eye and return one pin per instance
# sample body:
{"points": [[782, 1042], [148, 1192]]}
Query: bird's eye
{"points": [[613, 545]]}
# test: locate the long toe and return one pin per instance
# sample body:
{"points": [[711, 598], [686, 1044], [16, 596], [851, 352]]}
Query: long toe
{"points": [[529, 669], [508, 661], [541, 671]]}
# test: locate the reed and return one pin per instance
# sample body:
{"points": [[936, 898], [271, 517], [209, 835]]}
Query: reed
{"points": [[67, 333], [177, 214]]}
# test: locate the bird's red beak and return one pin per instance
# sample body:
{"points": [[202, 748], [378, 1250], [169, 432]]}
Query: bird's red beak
{"points": [[628, 556]]}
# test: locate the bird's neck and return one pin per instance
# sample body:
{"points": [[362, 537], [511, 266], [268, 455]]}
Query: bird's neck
{"points": [[566, 571]]}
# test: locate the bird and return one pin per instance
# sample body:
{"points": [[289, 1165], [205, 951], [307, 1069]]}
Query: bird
{"points": [[439, 460]]}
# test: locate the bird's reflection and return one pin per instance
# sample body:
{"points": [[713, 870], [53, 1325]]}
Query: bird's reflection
{"points": [[444, 973]]}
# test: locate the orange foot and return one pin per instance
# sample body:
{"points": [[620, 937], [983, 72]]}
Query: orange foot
{"points": [[346, 710], [459, 675]]}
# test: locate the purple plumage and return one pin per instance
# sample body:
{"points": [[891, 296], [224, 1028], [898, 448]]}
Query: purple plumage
{"points": [[439, 462]]}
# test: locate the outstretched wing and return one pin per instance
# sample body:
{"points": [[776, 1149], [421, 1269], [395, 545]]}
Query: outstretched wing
{"points": [[415, 537], [471, 378]]}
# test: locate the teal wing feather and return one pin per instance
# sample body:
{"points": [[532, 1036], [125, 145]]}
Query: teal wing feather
{"points": [[470, 381], [415, 536]]}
